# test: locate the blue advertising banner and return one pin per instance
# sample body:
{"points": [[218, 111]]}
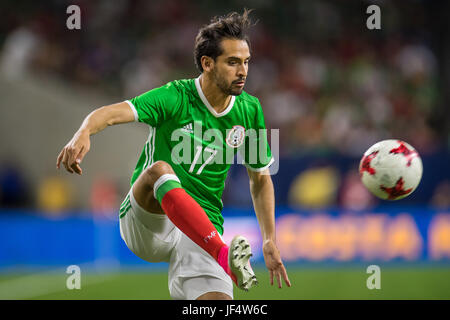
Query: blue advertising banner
{"points": [[403, 235], [407, 235]]}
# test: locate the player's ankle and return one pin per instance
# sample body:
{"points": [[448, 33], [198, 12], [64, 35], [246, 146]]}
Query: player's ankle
{"points": [[222, 256]]}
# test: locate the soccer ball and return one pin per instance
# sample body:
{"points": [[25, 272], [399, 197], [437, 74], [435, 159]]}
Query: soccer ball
{"points": [[391, 169]]}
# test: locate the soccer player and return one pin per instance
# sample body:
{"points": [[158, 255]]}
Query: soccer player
{"points": [[172, 212]]}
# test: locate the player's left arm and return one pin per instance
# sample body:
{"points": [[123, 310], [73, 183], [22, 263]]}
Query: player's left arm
{"points": [[261, 188]]}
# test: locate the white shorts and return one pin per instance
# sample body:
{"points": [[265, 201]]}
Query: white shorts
{"points": [[154, 238]]}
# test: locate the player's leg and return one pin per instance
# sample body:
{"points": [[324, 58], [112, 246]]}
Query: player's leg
{"points": [[150, 236], [160, 181], [159, 190]]}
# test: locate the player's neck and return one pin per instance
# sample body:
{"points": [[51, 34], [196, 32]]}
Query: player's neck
{"points": [[216, 98]]}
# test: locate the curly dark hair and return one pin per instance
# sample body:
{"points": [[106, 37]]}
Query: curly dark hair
{"points": [[209, 37]]}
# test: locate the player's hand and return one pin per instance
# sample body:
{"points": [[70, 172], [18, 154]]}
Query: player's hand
{"points": [[73, 153], [274, 263]]}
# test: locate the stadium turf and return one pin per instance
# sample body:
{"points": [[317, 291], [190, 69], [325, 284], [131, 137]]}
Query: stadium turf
{"points": [[317, 283]]}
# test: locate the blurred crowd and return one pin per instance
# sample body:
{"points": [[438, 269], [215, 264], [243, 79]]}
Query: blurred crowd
{"points": [[327, 82], [330, 85]]}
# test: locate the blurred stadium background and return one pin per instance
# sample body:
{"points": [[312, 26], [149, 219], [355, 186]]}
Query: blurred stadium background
{"points": [[330, 85]]}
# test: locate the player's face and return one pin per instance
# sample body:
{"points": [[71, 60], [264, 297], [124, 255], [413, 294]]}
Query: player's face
{"points": [[231, 67]]}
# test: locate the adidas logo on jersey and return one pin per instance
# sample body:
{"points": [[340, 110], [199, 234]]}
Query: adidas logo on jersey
{"points": [[188, 128]]}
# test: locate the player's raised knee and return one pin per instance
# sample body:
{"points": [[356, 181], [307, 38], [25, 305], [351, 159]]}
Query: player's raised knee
{"points": [[161, 167], [158, 169]]}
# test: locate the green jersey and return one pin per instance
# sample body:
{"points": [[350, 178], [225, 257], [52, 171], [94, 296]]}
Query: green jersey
{"points": [[199, 143]]}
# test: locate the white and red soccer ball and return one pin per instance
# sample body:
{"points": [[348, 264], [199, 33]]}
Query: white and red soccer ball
{"points": [[391, 169]]}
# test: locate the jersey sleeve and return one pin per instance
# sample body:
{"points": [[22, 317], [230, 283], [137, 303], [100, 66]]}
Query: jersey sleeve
{"points": [[157, 105], [257, 156]]}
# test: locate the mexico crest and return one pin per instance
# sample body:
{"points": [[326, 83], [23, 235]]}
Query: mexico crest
{"points": [[236, 136]]}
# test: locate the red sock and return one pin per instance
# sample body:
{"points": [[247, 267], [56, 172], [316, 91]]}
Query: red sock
{"points": [[192, 220], [223, 261], [188, 216]]}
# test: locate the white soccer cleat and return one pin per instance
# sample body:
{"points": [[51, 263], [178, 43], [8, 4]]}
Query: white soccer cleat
{"points": [[239, 254]]}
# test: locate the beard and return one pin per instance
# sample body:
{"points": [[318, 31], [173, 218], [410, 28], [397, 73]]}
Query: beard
{"points": [[225, 87]]}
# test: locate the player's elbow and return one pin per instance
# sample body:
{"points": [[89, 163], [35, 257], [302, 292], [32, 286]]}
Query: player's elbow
{"points": [[116, 113]]}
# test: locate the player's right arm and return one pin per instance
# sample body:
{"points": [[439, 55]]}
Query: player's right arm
{"points": [[75, 150]]}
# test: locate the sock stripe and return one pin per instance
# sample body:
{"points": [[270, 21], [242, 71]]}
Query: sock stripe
{"points": [[165, 188], [161, 180]]}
